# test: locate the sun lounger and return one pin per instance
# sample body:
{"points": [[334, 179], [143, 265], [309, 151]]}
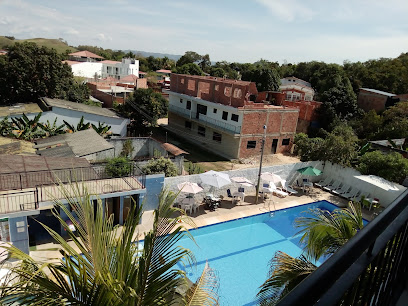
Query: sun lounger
{"points": [[323, 183], [287, 188], [351, 194], [333, 186], [342, 190], [271, 188]]}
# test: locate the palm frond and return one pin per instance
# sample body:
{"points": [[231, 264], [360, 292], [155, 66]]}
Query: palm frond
{"points": [[285, 272], [204, 290]]}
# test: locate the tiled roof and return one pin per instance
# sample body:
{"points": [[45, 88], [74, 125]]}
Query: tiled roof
{"points": [[81, 143], [172, 149], [85, 54], [129, 78], [379, 92], [110, 62], [80, 107], [70, 63], [163, 71], [141, 72]]}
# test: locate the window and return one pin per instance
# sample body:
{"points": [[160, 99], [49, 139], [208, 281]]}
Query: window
{"points": [[234, 117], [214, 110], [191, 85], [227, 91], [181, 100], [201, 109], [251, 144], [217, 87], [217, 136], [285, 142], [237, 93], [188, 106], [187, 124], [201, 131], [182, 80], [224, 115]]}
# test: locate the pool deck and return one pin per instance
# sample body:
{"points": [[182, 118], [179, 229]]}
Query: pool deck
{"points": [[227, 211]]}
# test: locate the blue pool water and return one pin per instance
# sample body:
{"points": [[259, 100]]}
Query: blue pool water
{"points": [[240, 250]]}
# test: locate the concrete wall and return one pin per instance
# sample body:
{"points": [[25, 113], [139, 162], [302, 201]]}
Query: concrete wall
{"points": [[154, 185], [87, 69], [118, 125], [346, 175], [143, 146], [103, 155]]}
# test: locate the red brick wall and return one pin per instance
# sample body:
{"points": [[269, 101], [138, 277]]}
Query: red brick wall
{"points": [[369, 100], [227, 92], [107, 99], [307, 109]]}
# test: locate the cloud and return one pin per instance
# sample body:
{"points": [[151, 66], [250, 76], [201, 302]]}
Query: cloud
{"points": [[289, 10], [103, 37], [71, 31]]}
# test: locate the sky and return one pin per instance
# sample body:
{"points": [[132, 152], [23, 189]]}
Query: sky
{"points": [[285, 31]]}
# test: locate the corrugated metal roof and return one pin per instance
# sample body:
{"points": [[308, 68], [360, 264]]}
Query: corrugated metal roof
{"points": [[379, 92], [82, 143]]}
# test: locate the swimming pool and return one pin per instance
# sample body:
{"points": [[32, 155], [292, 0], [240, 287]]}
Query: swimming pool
{"points": [[240, 250]]}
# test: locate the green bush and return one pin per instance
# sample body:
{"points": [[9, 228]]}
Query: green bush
{"points": [[118, 166], [161, 165]]}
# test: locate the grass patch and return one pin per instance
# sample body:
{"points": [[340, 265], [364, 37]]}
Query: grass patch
{"points": [[56, 44]]}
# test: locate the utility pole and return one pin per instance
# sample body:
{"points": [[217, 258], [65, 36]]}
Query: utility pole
{"points": [[260, 164]]}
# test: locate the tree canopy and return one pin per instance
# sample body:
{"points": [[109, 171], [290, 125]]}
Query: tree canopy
{"points": [[29, 72]]}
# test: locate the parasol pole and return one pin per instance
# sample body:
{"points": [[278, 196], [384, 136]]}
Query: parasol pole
{"points": [[260, 164]]}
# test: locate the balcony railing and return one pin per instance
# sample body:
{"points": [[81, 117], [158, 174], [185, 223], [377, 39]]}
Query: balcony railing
{"points": [[203, 119], [42, 186], [370, 269]]}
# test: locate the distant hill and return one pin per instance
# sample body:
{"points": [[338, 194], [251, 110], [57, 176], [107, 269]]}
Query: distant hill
{"points": [[154, 54], [57, 44]]}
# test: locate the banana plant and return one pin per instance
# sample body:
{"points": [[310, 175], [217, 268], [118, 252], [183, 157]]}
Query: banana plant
{"points": [[102, 128], [6, 127], [81, 126], [52, 129], [27, 129]]}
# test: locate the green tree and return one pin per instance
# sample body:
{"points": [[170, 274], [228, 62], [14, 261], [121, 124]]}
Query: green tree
{"points": [[161, 165], [119, 167], [266, 78], [106, 266], [393, 166], [368, 126], [6, 127], [143, 108], [323, 234], [308, 148], [189, 57], [192, 69], [29, 72]]}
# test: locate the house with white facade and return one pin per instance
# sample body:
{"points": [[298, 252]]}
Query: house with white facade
{"points": [[121, 69], [296, 89]]}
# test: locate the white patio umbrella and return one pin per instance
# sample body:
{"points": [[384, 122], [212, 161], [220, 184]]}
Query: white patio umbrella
{"points": [[378, 182], [215, 179], [271, 177], [243, 181], [189, 187]]}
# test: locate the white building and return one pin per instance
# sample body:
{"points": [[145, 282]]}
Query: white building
{"points": [[296, 89], [121, 69], [86, 69]]}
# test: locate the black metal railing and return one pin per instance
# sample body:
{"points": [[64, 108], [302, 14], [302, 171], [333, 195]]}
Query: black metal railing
{"points": [[370, 269], [42, 186]]}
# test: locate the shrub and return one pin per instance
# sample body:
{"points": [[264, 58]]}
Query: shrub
{"points": [[161, 165], [118, 166]]}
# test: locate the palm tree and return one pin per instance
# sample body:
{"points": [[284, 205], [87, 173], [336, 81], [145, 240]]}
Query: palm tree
{"points": [[323, 233], [52, 129], [106, 265]]}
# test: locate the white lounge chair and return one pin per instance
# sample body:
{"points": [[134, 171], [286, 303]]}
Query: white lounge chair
{"points": [[323, 183], [287, 188], [351, 194], [342, 190], [271, 188], [333, 186]]}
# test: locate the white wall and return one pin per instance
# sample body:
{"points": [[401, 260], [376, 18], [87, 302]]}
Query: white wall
{"points": [[174, 99], [124, 68], [87, 69]]}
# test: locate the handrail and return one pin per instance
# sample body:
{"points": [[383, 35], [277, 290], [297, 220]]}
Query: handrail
{"points": [[334, 279]]}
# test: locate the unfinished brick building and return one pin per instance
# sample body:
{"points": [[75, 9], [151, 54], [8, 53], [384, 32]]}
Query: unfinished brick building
{"points": [[224, 116]]}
